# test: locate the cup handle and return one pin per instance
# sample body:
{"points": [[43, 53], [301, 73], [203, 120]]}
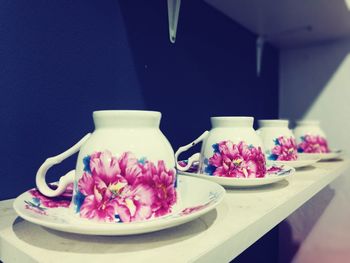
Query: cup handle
{"points": [[195, 157], [64, 180]]}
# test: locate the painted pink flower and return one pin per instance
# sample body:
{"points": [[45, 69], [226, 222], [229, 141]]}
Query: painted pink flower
{"points": [[274, 169], [193, 169], [258, 157], [134, 203], [162, 182], [105, 166], [54, 202], [108, 176], [193, 209], [99, 205], [285, 149], [313, 144], [236, 160], [86, 184], [126, 187], [35, 209]]}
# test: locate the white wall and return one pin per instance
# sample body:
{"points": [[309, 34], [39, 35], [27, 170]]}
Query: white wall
{"points": [[315, 84]]}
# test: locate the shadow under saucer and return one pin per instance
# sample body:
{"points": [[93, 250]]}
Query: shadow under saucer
{"points": [[334, 160], [305, 168], [54, 240], [261, 188]]}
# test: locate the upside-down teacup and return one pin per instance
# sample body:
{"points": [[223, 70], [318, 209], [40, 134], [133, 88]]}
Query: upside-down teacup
{"points": [[310, 137], [125, 170], [278, 140], [232, 148]]}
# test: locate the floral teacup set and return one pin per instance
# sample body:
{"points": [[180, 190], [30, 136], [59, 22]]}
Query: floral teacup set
{"points": [[307, 145], [125, 182], [232, 146], [125, 173], [232, 155]]}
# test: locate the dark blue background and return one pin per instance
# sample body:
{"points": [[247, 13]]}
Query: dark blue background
{"points": [[60, 60]]}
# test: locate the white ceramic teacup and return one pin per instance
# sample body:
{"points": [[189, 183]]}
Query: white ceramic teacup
{"points": [[310, 137], [125, 170], [232, 148], [278, 140]]}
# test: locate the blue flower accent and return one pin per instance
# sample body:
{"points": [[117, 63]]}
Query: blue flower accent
{"points": [[176, 178], [117, 218], [216, 148], [142, 160], [283, 172], [86, 162], [273, 157], [36, 204], [250, 146], [79, 200], [36, 200], [206, 161], [185, 161], [302, 138], [300, 150], [276, 142], [210, 169]]}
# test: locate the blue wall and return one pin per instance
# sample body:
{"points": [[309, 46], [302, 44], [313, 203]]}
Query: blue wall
{"points": [[60, 60]]}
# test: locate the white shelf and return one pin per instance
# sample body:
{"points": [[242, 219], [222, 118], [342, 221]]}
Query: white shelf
{"points": [[286, 23], [219, 236]]}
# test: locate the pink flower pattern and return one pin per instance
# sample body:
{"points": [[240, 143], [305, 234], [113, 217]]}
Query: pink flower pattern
{"points": [[53, 202], [236, 160], [285, 149], [313, 144], [124, 188], [194, 167], [35, 208], [193, 209], [275, 169]]}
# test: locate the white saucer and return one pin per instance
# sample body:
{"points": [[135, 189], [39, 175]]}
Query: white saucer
{"points": [[270, 178], [197, 197], [302, 161], [322, 156]]}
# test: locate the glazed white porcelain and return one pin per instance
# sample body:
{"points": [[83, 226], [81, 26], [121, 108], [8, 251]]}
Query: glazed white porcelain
{"points": [[232, 130], [305, 127], [303, 160], [278, 140], [310, 129], [123, 145], [198, 197], [322, 156], [281, 172]]}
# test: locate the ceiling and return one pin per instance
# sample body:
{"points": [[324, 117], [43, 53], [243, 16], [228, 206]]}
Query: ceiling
{"points": [[290, 23]]}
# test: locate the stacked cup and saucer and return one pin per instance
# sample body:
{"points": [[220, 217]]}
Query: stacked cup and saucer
{"points": [[280, 144], [312, 141], [232, 155], [124, 183]]}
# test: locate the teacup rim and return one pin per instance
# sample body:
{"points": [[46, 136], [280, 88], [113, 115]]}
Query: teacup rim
{"points": [[232, 117], [230, 121], [117, 112], [308, 122], [126, 119], [273, 121]]}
